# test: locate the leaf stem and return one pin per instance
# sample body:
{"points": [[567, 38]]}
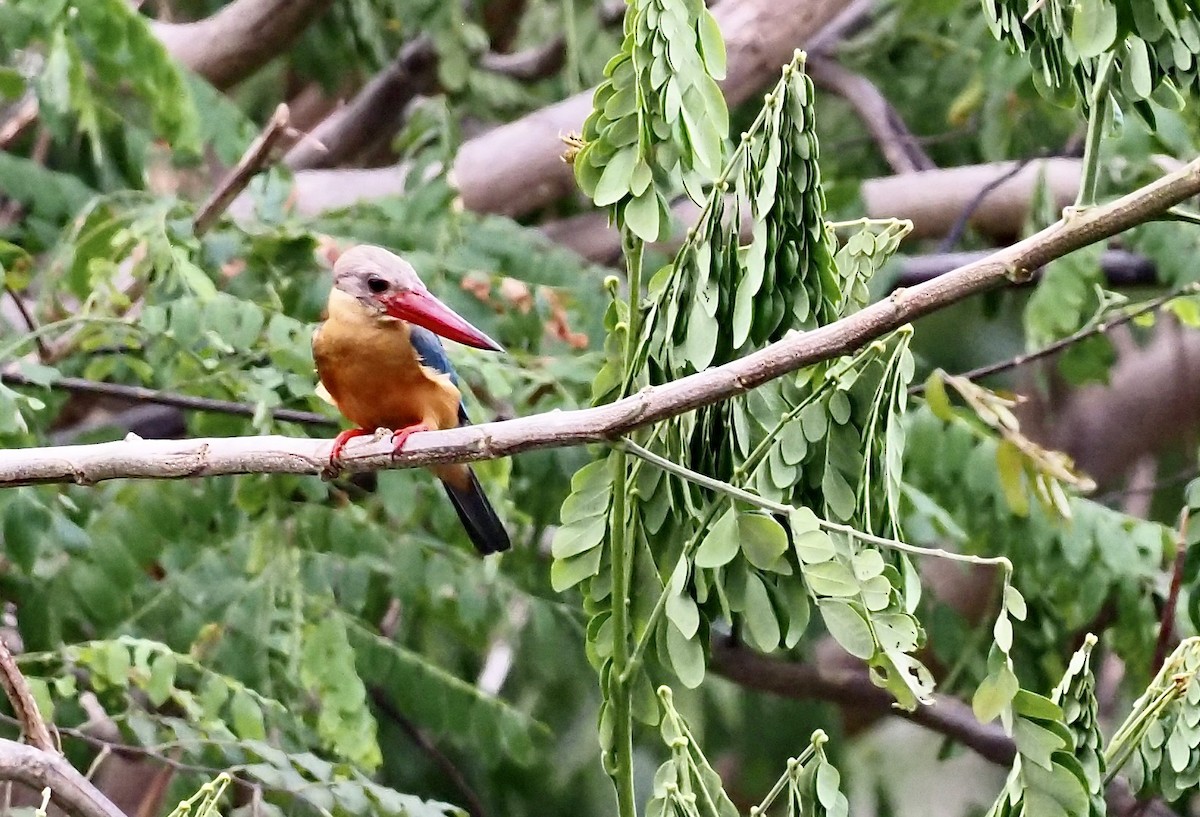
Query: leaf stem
{"points": [[1097, 116], [620, 690]]}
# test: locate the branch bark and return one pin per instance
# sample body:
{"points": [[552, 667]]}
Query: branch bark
{"points": [[883, 122], [39, 769], [517, 168], [148, 459], [347, 132], [17, 690], [934, 199], [240, 38], [946, 715]]}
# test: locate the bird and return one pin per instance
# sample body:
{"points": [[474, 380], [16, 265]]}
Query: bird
{"points": [[381, 364]]}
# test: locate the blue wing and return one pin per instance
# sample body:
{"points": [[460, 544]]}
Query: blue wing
{"points": [[432, 354]]}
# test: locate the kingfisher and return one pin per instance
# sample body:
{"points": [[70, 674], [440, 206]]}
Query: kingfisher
{"points": [[381, 364]]}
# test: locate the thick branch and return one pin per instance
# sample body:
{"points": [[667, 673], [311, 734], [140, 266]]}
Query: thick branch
{"points": [[517, 168], [897, 143], [208, 457], [934, 199], [39, 769], [946, 715], [347, 132], [240, 38]]}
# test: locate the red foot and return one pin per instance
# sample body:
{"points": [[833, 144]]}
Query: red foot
{"points": [[339, 445], [400, 436]]}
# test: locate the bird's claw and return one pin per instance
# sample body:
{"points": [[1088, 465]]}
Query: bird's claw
{"points": [[335, 466], [400, 436]]}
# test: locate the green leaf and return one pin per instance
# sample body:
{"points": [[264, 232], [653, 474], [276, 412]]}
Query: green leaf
{"points": [[848, 627], [720, 544], [712, 45], [642, 216], [994, 694], [831, 578], [614, 181], [1093, 27], [761, 624], [687, 657], [763, 540], [247, 717]]}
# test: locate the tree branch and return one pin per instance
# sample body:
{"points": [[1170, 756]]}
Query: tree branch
{"points": [[935, 199], [240, 38], [256, 157], [154, 459], [897, 143], [140, 394], [946, 715], [1121, 268], [16, 689], [40, 769], [348, 131]]}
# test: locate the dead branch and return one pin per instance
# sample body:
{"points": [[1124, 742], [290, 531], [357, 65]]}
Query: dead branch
{"points": [[16, 689], [374, 113], [240, 38], [934, 199], [895, 141], [40, 769], [154, 459], [253, 161]]}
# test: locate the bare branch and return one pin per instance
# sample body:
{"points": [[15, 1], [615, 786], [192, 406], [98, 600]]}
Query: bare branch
{"points": [[155, 459], [529, 65], [16, 689], [934, 200], [373, 113], [40, 769], [946, 715], [19, 117], [240, 38], [140, 394], [253, 161], [1121, 268], [897, 143]]}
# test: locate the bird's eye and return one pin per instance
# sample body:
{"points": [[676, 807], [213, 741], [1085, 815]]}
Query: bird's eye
{"points": [[377, 285]]}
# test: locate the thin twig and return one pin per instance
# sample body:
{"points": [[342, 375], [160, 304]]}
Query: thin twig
{"points": [[964, 217], [25, 113], [474, 804], [170, 459], [253, 161], [140, 394], [30, 323], [1166, 627], [16, 688], [1057, 346]]}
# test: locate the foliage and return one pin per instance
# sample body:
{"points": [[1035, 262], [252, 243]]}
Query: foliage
{"points": [[312, 640]]}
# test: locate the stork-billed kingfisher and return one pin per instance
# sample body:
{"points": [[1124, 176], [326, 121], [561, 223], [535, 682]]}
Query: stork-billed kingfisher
{"points": [[380, 362]]}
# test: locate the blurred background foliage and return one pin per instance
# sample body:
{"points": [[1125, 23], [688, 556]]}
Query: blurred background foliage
{"points": [[336, 642]]}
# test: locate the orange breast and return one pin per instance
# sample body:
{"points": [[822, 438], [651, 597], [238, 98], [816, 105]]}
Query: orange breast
{"points": [[373, 374]]}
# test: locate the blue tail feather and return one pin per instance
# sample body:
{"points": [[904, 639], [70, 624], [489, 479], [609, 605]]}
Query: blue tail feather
{"points": [[484, 527]]}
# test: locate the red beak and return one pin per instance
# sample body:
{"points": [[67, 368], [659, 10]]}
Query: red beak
{"points": [[419, 307]]}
